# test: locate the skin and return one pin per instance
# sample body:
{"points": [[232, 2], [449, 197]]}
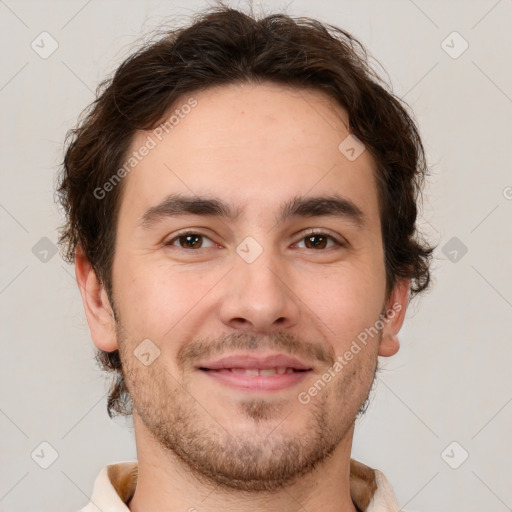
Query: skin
{"points": [[200, 443]]}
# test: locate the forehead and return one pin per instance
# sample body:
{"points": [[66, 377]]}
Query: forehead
{"points": [[255, 145]]}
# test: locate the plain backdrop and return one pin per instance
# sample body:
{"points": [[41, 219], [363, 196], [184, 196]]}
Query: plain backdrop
{"points": [[440, 419]]}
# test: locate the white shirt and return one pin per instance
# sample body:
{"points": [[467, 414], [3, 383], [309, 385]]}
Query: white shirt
{"points": [[115, 485]]}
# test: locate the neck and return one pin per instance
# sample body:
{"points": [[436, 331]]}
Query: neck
{"points": [[165, 483]]}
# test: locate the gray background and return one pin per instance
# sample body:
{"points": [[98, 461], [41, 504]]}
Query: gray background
{"points": [[451, 380]]}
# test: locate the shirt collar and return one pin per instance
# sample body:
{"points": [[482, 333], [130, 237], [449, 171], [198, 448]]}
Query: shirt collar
{"points": [[115, 485]]}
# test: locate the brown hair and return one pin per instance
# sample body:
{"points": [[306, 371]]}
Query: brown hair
{"points": [[224, 46]]}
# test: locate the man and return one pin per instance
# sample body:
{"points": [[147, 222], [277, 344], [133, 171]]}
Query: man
{"points": [[241, 208]]}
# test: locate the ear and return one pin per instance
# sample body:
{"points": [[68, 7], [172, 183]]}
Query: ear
{"points": [[99, 313], [396, 307]]}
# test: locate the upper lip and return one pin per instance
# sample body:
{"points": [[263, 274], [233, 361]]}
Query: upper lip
{"points": [[254, 361]]}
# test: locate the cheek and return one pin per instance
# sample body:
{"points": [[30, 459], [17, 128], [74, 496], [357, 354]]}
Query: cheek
{"points": [[347, 303], [158, 298]]}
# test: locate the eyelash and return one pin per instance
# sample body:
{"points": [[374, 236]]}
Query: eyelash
{"points": [[307, 234]]}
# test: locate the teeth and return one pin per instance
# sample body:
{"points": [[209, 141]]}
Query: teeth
{"points": [[253, 372]]}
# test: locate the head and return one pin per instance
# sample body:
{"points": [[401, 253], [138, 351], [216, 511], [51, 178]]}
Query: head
{"points": [[244, 184]]}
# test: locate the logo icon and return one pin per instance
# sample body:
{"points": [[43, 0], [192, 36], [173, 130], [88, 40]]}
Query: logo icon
{"points": [[146, 352], [454, 455], [351, 147], [454, 45], [44, 250], [44, 45], [44, 455], [454, 249], [249, 249]]}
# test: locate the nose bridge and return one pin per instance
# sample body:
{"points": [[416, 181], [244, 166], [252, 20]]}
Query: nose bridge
{"points": [[256, 294]]}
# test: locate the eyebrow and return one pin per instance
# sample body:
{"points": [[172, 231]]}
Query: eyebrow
{"points": [[176, 205]]}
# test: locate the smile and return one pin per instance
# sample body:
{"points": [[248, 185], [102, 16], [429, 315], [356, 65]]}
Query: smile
{"points": [[259, 379]]}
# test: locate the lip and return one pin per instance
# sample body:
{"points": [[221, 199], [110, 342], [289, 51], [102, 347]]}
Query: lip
{"points": [[220, 371], [257, 383], [248, 360]]}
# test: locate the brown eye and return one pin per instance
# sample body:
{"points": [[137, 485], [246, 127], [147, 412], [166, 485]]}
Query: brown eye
{"points": [[190, 241], [319, 241], [316, 242]]}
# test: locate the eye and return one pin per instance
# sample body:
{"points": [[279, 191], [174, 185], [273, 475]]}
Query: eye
{"points": [[319, 240], [190, 240]]}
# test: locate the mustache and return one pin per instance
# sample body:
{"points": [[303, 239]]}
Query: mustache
{"points": [[287, 343]]}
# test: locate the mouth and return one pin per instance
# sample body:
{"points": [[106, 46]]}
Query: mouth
{"points": [[247, 372], [254, 372]]}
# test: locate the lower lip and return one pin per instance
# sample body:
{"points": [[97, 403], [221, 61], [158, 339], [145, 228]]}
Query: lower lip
{"points": [[257, 382]]}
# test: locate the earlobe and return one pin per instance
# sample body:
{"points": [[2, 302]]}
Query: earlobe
{"points": [[395, 313], [389, 345], [98, 309]]}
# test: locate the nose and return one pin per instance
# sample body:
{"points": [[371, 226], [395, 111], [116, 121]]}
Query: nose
{"points": [[259, 296]]}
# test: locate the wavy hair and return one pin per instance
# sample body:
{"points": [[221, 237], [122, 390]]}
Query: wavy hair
{"points": [[221, 46]]}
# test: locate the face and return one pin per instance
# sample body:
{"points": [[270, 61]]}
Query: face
{"points": [[247, 246]]}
